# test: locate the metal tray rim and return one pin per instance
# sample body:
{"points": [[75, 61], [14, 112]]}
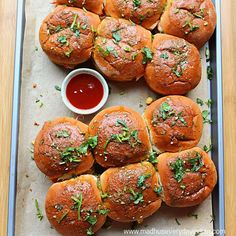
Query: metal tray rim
{"points": [[16, 111]]}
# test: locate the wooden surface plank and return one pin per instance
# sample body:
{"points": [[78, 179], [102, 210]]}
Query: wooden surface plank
{"points": [[7, 44], [228, 9]]}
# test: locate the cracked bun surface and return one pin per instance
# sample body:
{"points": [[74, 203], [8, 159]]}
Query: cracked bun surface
{"points": [[187, 177], [122, 49], [122, 137], [91, 5], [74, 207], [193, 20], [67, 34], [145, 12], [55, 152], [175, 123], [132, 192], [175, 67]]}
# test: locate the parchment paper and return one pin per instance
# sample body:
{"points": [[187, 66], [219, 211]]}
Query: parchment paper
{"points": [[32, 184]]}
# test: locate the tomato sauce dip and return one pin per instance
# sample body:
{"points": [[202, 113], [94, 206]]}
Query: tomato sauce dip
{"points": [[84, 91]]}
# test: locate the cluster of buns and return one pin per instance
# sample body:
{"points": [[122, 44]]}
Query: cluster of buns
{"points": [[148, 159], [121, 44]]}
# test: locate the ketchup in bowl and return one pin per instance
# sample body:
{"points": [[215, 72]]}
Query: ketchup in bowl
{"points": [[84, 91]]}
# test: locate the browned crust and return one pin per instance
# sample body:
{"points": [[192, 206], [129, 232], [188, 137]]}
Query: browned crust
{"points": [[175, 67], [116, 153], [48, 146], [196, 186], [91, 5], [125, 61], [77, 47], [117, 182], [185, 19], [58, 202], [147, 14], [174, 133]]}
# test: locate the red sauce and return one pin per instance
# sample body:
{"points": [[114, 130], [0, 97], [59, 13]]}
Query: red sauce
{"points": [[84, 91]]}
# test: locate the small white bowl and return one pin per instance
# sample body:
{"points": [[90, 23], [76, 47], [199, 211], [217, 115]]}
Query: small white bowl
{"points": [[74, 73]]}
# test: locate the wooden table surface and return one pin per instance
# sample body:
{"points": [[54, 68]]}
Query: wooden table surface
{"points": [[7, 44]]}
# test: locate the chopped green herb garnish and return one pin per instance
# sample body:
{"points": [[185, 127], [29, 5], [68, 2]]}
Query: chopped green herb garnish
{"points": [[39, 212], [147, 55], [196, 162], [58, 88], [136, 3], [142, 179], [90, 231], [198, 233], [207, 148], [63, 40], [104, 195], [177, 221], [136, 197], [166, 111], [200, 102], [134, 55], [209, 72], [164, 56], [116, 36], [74, 24], [209, 102], [91, 219], [78, 203], [193, 215], [205, 116], [103, 211], [207, 54], [62, 217], [153, 157], [178, 169], [158, 190], [62, 134]]}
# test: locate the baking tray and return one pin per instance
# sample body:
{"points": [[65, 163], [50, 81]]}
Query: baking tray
{"points": [[216, 128]]}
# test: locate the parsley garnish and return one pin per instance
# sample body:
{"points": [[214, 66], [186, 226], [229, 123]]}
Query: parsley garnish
{"points": [[196, 162], [136, 197], [147, 55], [136, 3], [62, 217], [39, 212], [58, 88], [78, 203], [177, 221], [178, 169], [164, 56], [116, 36], [200, 102], [62, 134], [207, 148], [142, 179], [63, 40], [153, 157], [209, 72], [158, 190], [205, 116]]}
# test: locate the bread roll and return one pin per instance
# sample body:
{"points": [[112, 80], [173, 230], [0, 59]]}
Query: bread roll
{"points": [[122, 49], [67, 34], [74, 207], [175, 123], [122, 137], [55, 146], [132, 192], [176, 66], [145, 12], [193, 20], [188, 177]]}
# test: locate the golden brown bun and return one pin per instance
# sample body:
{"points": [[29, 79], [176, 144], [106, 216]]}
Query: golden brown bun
{"points": [[196, 183], [91, 5], [175, 123], [53, 139], [118, 49], [66, 35], [193, 20], [146, 14], [121, 184], [175, 67], [112, 152], [59, 202]]}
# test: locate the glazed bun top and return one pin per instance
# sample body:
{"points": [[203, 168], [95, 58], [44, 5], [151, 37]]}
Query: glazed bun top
{"points": [[132, 192], [175, 67], [175, 123], [74, 207], [66, 35], [56, 148], [91, 5], [193, 20], [122, 137], [145, 12], [188, 177], [122, 49]]}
